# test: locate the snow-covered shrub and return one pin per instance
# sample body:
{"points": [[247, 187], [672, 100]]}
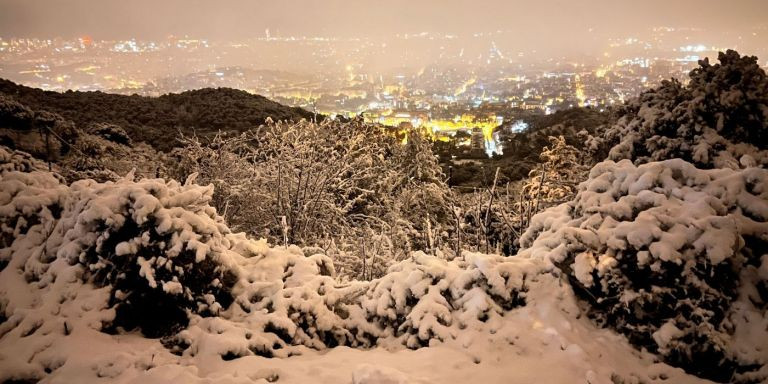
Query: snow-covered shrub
{"points": [[13, 223], [282, 299], [421, 199], [671, 256], [364, 256], [333, 185], [111, 132], [286, 301], [158, 246], [556, 179], [425, 298], [12, 160], [719, 119]]}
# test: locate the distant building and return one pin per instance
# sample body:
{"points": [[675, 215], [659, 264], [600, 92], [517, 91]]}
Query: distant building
{"points": [[534, 105], [478, 139]]}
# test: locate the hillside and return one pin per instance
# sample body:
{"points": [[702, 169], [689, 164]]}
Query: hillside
{"points": [[142, 281], [157, 120], [522, 150], [650, 266]]}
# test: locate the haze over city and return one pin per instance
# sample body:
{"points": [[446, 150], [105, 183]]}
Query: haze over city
{"points": [[551, 25]]}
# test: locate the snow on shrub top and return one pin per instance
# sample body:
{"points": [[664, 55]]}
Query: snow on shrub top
{"points": [[662, 247], [11, 160], [718, 120], [155, 243], [286, 301]]}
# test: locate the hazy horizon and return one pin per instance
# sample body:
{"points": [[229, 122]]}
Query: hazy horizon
{"points": [[557, 25]]}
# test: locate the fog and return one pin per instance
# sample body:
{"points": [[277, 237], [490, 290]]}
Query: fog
{"points": [[554, 25]]}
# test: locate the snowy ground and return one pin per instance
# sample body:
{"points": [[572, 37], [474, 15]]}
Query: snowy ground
{"points": [[543, 342]]}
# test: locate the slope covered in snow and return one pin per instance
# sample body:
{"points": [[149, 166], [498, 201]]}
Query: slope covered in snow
{"points": [[91, 269]]}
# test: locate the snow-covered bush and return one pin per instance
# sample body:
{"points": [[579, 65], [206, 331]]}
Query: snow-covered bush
{"points": [[12, 160], [670, 255], [282, 299], [556, 179], [111, 132], [719, 119], [286, 301], [157, 245], [348, 188], [14, 225], [425, 298], [421, 199]]}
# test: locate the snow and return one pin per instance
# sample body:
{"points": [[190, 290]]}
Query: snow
{"points": [[370, 374], [667, 235], [583, 266], [667, 333], [542, 342], [476, 318]]}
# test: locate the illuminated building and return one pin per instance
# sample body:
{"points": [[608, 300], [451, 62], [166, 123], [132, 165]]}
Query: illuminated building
{"points": [[478, 139]]}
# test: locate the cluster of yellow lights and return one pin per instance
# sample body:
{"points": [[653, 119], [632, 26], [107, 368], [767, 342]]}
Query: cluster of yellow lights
{"points": [[463, 122], [580, 91], [295, 94], [463, 87], [601, 72], [88, 69], [130, 84], [393, 121], [433, 127], [34, 71]]}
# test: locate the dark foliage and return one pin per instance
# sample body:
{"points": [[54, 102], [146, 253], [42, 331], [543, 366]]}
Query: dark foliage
{"points": [[522, 150], [152, 310], [158, 120]]}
